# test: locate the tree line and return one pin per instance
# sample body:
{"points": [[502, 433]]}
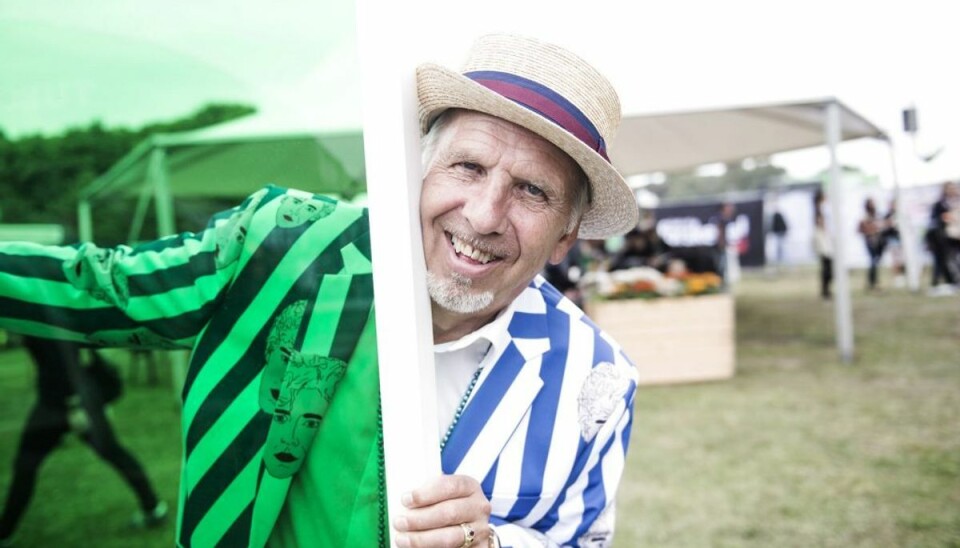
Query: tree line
{"points": [[41, 175]]}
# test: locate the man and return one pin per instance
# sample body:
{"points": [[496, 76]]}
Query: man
{"points": [[535, 402]]}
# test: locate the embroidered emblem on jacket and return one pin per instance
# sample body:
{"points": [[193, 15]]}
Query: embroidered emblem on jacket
{"points": [[603, 389]]}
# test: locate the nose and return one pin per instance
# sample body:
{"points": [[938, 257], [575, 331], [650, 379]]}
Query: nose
{"points": [[290, 438], [486, 206]]}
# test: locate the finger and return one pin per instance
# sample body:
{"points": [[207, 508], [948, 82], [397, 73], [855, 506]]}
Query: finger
{"points": [[444, 514], [440, 489], [452, 537]]}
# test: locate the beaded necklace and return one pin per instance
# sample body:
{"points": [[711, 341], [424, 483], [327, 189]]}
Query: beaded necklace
{"points": [[464, 399], [463, 404]]}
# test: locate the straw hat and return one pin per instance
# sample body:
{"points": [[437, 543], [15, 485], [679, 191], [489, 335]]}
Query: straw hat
{"points": [[551, 92]]}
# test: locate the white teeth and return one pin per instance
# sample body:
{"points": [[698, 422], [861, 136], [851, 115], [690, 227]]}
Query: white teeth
{"points": [[468, 250]]}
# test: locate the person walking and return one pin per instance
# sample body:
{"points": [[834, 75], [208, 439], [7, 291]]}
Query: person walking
{"points": [[72, 397]]}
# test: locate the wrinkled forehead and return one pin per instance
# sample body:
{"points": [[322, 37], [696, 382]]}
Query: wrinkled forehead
{"points": [[470, 132]]}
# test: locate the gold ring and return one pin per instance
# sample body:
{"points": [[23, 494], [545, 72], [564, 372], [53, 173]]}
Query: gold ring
{"points": [[468, 535]]}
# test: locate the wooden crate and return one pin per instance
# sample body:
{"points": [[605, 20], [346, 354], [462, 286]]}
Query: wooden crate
{"points": [[672, 340]]}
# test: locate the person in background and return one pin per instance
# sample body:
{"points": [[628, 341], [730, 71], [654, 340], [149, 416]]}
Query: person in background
{"points": [[726, 253], [778, 227], [642, 246], [872, 227], [565, 275], [893, 245], [822, 243], [594, 254], [72, 398], [944, 217]]}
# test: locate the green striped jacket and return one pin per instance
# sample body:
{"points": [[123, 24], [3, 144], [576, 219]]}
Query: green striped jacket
{"points": [[275, 301]]}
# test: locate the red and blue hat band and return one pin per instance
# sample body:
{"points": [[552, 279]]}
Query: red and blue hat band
{"points": [[545, 102]]}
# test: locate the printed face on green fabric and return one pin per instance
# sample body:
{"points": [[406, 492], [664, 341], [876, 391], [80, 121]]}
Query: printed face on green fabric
{"points": [[295, 211], [280, 346], [95, 271], [230, 242], [305, 394], [232, 234]]}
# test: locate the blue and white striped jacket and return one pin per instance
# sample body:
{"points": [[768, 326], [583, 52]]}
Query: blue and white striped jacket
{"points": [[547, 428]]}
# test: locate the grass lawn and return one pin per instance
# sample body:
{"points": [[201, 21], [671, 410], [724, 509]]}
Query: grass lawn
{"points": [[801, 450], [796, 450]]}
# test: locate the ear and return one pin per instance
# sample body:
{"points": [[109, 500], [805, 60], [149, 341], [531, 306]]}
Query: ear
{"points": [[563, 246]]}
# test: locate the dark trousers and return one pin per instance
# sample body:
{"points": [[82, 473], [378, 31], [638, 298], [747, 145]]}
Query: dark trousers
{"points": [[826, 276], [944, 254], [42, 434], [875, 251]]}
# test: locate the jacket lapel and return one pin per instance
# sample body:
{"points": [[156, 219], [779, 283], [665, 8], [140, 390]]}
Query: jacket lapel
{"points": [[507, 387]]}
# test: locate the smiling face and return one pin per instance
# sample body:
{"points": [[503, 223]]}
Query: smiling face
{"points": [[496, 204]]}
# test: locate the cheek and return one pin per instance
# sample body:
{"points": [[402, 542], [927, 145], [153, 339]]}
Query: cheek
{"points": [[437, 196]]}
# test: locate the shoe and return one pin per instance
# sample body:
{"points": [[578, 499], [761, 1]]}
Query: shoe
{"points": [[942, 290], [151, 519]]}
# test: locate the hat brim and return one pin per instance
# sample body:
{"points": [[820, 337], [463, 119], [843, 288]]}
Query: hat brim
{"points": [[613, 207]]}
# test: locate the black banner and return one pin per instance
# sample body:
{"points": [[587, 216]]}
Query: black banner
{"points": [[693, 227]]}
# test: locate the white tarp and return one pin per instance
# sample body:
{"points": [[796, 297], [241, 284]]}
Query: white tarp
{"points": [[673, 141]]}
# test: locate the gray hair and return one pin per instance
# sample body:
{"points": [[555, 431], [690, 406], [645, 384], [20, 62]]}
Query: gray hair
{"points": [[428, 148]]}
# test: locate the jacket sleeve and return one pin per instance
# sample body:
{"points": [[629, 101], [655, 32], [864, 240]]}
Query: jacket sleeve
{"points": [[158, 294]]}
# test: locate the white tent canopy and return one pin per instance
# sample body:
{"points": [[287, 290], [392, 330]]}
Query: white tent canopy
{"points": [[230, 160], [683, 140], [673, 141]]}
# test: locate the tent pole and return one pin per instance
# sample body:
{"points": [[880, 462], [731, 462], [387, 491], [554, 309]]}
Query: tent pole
{"points": [[166, 226], [907, 235], [161, 190], [392, 149], [136, 225], [84, 221], [841, 279]]}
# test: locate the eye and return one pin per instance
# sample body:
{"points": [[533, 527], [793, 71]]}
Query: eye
{"points": [[311, 423], [470, 166], [533, 190], [281, 417]]}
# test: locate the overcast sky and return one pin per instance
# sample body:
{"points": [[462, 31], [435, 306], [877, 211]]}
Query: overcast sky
{"points": [[127, 62]]}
